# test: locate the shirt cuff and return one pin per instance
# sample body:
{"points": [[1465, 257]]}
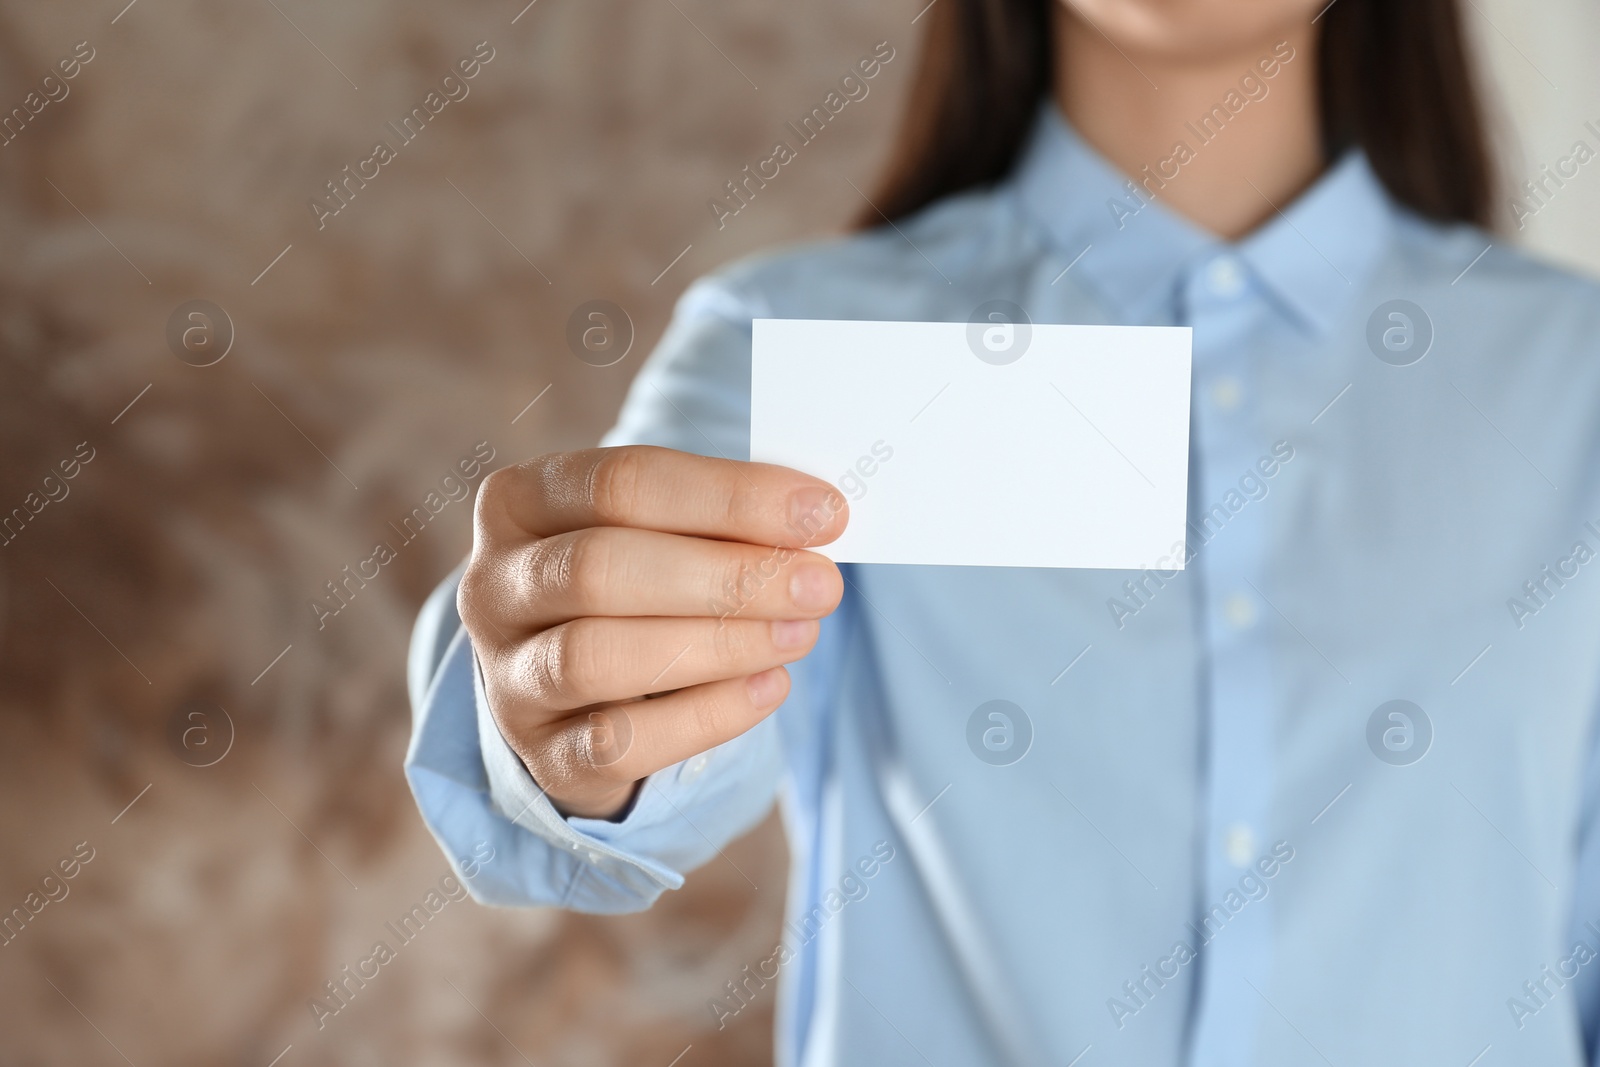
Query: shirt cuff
{"points": [[478, 800], [619, 861]]}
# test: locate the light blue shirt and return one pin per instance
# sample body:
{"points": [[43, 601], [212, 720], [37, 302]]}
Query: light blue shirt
{"points": [[1200, 833]]}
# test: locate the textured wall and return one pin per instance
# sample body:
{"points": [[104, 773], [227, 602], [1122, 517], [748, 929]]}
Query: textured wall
{"points": [[371, 358], [181, 560]]}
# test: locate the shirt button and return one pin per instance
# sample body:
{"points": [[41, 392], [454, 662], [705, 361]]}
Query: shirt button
{"points": [[594, 857], [694, 768], [1239, 845], [1225, 394], [1240, 611], [1225, 276]]}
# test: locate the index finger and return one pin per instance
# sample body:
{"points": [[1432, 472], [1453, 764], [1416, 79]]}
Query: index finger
{"points": [[652, 488]]}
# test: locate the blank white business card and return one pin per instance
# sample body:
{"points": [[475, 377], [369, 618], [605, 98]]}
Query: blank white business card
{"points": [[983, 444]]}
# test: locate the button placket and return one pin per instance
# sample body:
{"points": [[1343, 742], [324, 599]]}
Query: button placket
{"points": [[1227, 534]]}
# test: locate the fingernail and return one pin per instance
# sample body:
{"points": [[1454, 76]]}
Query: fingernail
{"points": [[810, 588], [765, 688], [811, 511], [789, 634]]}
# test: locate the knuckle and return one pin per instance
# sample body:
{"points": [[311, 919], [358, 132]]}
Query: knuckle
{"points": [[730, 643], [728, 575], [551, 567], [606, 767], [743, 503], [616, 485], [571, 757], [467, 598], [508, 698], [542, 566], [580, 659], [493, 490], [550, 762], [586, 562], [572, 570], [475, 598], [539, 479], [738, 581], [546, 675]]}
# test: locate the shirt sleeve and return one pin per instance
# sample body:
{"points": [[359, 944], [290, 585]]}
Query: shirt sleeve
{"points": [[474, 793]]}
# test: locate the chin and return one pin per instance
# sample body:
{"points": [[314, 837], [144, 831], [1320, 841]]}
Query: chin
{"points": [[1193, 29]]}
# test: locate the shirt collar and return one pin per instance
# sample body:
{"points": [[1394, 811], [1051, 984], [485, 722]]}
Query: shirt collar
{"points": [[1309, 256]]}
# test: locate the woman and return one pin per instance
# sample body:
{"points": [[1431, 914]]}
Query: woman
{"points": [[1207, 833]]}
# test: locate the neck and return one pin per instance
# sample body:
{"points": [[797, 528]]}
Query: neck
{"points": [[1224, 169]]}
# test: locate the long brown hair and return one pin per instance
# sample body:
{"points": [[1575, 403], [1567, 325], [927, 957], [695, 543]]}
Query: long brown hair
{"points": [[1395, 81]]}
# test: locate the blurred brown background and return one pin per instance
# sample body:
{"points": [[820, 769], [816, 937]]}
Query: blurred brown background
{"points": [[175, 577]]}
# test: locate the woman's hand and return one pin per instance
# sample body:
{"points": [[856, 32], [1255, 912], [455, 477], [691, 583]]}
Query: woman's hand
{"points": [[606, 576]]}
